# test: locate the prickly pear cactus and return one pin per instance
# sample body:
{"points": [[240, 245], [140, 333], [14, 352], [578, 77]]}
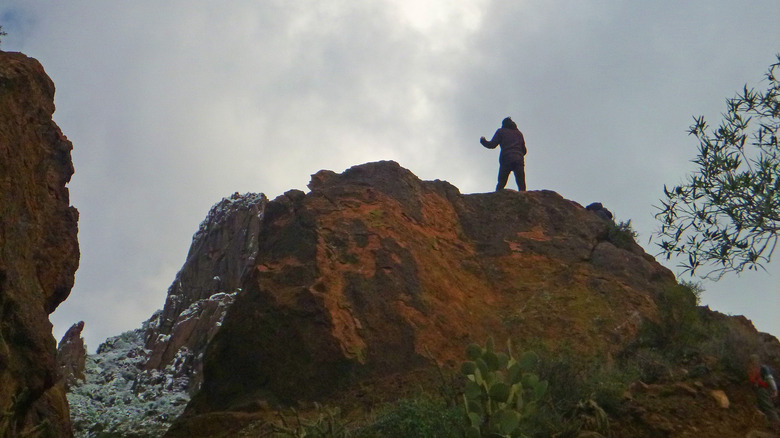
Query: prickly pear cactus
{"points": [[500, 392]]}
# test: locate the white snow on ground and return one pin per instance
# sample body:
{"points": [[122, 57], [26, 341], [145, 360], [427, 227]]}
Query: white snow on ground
{"points": [[227, 206], [120, 400]]}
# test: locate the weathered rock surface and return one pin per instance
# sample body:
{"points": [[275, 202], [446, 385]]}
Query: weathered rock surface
{"points": [[39, 250], [223, 251], [118, 398], [72, 356], [375, 273]]}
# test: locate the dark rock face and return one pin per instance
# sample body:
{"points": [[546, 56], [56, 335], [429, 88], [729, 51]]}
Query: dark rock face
{"points": [[39, 250], [375, 272], [223, 251], [72, 356]]}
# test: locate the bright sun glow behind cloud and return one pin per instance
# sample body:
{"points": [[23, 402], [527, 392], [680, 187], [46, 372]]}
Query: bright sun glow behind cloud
{"points": [[443, 24], [173, 105]]}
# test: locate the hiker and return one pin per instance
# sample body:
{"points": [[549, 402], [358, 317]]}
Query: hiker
{"points": [[512, 154], [766, 388]]}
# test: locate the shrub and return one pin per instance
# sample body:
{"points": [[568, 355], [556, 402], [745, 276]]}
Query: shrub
{"points": [[581, 393], [651, 365], [696, 289], [733, 348], [577, 380], [326, 424], [680, 328], [421, 417], [622, 234]]}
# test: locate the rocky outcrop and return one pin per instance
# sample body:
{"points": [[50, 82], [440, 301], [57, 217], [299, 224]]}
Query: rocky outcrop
{"points": [[118, 398], [72, 356], [375, 273], [223, 251], [39, 250]]}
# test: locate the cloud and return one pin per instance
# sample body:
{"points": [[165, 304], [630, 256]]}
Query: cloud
{"points": [[173, 105]]}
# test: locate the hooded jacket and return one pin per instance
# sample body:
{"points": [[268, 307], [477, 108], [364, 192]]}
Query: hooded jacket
{"points": [[511, 141]]}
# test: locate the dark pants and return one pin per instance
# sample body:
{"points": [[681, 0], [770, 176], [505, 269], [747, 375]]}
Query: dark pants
{"points": [[766, 405], [504, 169]]}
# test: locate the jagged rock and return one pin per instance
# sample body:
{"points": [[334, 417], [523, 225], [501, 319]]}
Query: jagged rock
{"points": [[39, 250], [375, 272], [743, 339], [190, 335], [72, 356], [223, 250], [120, 399]]}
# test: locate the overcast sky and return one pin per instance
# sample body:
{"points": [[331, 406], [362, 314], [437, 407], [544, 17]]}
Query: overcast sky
{"points": [[173, 105]]}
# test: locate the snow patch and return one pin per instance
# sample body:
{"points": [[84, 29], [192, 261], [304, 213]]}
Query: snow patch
{"points": [[227, 206], [119, 399]]}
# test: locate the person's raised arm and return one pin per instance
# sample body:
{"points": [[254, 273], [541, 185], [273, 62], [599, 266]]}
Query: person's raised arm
{"points": [[492, 143]]}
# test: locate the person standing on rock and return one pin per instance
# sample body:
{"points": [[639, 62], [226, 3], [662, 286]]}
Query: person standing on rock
{"points": [[512, 157], [766, 388]]}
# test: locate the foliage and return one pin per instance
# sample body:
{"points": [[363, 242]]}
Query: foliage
{"points": [[696, 288], [592, 418], [680, 324], [583, 390], [2, 33], [326, 424], [449, 386], [738, 349], [676, 337], [622, 234], [727, 215], [421, 417], [577, 379], [651, 364], [501, 392], [731, 346]]}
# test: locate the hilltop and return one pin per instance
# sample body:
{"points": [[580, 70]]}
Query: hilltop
{"points": [[374, 281], [367, 290]]}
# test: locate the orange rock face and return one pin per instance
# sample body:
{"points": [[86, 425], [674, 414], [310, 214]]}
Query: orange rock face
{"points": [[39, 250], [375, 273]]}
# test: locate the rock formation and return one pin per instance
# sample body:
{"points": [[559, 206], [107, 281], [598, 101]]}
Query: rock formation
{"points": [[118, 398], [374, 279], [39, 250], [367, 279], [375, 272], [222, 252], [139, 381], [72, 356]]}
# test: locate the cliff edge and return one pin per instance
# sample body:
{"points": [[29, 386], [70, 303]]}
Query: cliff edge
{"points": [[39, 251]]}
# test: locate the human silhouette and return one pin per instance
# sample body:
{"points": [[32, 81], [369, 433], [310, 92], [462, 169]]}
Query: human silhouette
{"points": [[512, 157], [765, 387]]}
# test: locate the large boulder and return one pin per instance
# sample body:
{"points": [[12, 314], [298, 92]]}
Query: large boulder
{"points": [[39, 250], [376, 273]]}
